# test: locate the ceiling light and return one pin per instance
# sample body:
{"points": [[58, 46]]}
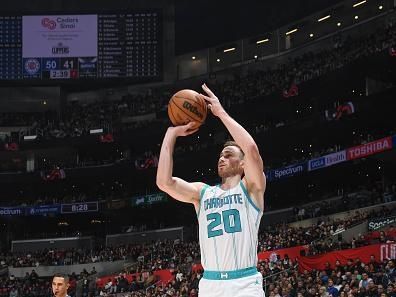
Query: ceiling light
{"points": [[262, 41], [291, 31], [359, 3], [324, 18], [229, 49]]}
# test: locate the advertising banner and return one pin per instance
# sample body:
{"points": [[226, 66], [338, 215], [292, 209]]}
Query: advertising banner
{"points": [[369, 148], [335, 158], [59, 36], [292, 253], [380, 251], [288, 171], [42, 210], [148, 199], [316, 163], [11, 211], [376, 224]]}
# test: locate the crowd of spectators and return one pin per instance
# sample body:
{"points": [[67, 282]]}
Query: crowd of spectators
{"points": [[282, 276], [30, 285], [319, 236], [172, 254], [374, 278], [60, 257], [362, 197], [79, 119]]}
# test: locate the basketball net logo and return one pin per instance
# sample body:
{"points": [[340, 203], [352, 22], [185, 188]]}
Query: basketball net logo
{"points": [[48, 23]]}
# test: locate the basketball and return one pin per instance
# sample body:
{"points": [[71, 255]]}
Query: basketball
{"points": [[185, 106]]}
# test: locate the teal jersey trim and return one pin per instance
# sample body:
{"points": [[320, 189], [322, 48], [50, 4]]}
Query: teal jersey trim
{"points": [[229, 275], [201, 194], [248, 197], [251, 256]]}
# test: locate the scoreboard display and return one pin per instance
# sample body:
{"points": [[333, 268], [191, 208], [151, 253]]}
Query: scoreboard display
{"points": [[84, 46]]}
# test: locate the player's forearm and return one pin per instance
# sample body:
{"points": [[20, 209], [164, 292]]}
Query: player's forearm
{"points": [[165, 163], [238, 133]]}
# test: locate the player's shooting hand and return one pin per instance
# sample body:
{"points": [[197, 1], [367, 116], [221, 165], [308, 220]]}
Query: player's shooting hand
{"points": [[213, 102], [183, 130]]}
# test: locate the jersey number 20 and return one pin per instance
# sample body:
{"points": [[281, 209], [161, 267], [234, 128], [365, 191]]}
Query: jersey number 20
{"points": [[231, 221]]}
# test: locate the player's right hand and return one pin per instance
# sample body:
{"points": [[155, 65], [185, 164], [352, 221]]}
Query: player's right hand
{"points": [[183, 130]]}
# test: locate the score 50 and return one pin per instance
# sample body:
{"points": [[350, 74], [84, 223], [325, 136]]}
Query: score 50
{"points": [[57, 64]]}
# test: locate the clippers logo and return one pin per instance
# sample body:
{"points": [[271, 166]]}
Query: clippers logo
{"points": [[48, 23], [32, 66]]}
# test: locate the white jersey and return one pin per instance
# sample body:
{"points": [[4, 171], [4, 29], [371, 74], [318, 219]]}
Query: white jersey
{"points": [[228, 228]]}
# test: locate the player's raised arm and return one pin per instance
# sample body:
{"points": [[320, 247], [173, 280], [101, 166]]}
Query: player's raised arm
{"points": [[253, 163], [174, 186]]}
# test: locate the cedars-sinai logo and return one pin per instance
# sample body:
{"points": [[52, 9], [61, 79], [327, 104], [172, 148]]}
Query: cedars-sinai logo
{"points": [[48, 23]]}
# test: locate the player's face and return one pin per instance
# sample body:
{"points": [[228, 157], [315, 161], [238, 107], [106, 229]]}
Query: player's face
{"points": [[230, 162], [59, 287]]}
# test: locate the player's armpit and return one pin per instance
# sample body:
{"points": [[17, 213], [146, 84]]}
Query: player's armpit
{"points": [[183, 191]]}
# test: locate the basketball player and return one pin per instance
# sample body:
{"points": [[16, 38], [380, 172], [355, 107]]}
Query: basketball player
{"points": [[228, 214], [60, 284]]}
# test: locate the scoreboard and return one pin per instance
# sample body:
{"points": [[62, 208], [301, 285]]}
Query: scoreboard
{"points": [[10, 47], [85, 46]]}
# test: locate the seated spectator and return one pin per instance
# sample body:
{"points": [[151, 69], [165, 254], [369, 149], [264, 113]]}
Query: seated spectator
{"points": [[333, 291], [151, 279], [364, 282]]}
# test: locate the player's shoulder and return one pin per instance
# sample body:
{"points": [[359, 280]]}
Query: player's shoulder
{"points": [[250, 186], [201, 188]]}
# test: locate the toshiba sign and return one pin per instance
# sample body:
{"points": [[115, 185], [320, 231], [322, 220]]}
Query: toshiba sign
{"points": [[370, 148]]}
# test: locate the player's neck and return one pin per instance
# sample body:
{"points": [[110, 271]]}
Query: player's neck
{"points": [[230, 182]]}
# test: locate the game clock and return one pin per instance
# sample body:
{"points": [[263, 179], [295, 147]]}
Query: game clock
{"points": [[79, 207]]}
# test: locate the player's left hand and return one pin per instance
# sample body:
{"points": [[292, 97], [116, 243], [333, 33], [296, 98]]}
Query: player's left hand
{"points": [[213, 102]]}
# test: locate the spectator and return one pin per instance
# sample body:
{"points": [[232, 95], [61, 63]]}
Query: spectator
{"points": [[333, 291], [364, 282]]}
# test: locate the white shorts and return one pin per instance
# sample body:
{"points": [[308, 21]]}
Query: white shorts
{"points": [[249, 286]]}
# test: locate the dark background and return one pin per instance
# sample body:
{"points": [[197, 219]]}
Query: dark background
{"points": [[199, 24], [207, 23]]}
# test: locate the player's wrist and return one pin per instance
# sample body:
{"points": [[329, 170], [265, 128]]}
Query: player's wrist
{"points": [[222, 114], [172, 132]]}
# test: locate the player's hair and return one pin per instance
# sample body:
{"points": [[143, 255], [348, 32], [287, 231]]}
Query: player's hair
{"points": [[233, 143], [62, 275]]}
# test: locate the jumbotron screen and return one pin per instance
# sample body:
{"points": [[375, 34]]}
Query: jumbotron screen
{"points": [[81, 46]]}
